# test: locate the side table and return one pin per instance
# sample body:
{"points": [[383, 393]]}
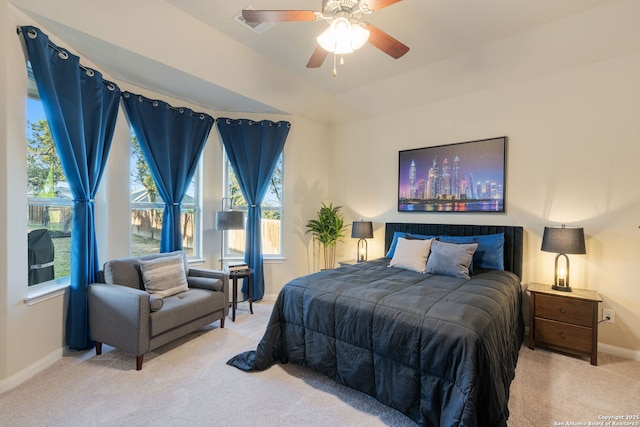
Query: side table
{"points": [[234, 276], [565, 321]]}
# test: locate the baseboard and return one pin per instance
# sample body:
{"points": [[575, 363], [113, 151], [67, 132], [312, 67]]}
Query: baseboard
{"points": [[270, 298], [619, 351], [20, 377]]}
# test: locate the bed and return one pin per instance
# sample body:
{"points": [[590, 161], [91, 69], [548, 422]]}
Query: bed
{"points": [[441, 349]]}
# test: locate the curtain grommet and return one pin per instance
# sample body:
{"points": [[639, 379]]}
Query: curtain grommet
{"points": [[62, 54], [32, 33]]}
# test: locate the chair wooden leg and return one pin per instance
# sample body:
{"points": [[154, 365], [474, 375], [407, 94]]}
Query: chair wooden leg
{"points": [[98, 348], [139, 362], [222, 322]]}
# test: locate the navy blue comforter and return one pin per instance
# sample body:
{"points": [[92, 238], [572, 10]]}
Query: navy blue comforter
{"points": [[440, 349]]}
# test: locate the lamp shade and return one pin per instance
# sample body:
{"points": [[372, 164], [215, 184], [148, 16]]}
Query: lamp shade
{"points": [[362, 230], [229, 220], [563, 240]]}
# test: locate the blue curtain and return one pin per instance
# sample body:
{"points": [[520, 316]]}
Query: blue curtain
{"points": [[81, 109], [172, 140], [253, 149]]}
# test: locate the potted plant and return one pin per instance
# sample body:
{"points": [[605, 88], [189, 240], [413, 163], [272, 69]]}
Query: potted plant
{"points": [[328, 228]]}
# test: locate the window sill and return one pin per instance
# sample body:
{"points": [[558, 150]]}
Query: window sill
{"points": [[45, 291], [270, 260]]}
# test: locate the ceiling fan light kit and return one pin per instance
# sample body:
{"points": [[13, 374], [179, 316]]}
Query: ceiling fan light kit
{"points": [[342, 37], [346, 32]]}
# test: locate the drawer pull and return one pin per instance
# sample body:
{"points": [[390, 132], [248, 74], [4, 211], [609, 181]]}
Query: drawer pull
{"points": [[562, 335], [562, 310]]}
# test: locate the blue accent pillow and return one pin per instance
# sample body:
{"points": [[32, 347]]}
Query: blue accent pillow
{"points": [[398, 234], [490, 252]]}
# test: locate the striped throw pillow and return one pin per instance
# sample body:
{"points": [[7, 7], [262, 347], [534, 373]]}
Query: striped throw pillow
{"points": [[164, 276]]}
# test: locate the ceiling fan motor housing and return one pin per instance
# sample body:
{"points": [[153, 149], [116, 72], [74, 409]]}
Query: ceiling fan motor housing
{"points": [[351, 8]]}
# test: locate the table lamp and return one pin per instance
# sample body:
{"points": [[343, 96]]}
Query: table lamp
{"points": [[228, 220], [563, 240], [362, 230]]}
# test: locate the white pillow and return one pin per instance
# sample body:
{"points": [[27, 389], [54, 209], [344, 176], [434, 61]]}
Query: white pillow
{"points": [[411, 254], [164, 276]]}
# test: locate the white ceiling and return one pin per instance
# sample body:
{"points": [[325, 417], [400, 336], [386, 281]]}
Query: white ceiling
{"points": [[193, 50]]}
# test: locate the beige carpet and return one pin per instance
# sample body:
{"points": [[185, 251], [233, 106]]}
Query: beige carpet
{"points": [[188, 383]]}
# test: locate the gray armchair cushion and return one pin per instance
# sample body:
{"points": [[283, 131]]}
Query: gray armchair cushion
{"points": [[183, 308]]}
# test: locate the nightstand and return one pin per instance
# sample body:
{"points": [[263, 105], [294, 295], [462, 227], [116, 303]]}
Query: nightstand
{"points": [[564, 321]]}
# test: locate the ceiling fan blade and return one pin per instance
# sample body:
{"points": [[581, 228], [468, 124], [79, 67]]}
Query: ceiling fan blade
{"points": [[385, 42], [317, 57], [379, 4], [280, 15]]}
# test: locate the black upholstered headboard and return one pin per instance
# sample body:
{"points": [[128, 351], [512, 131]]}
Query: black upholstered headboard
{"points": [[513, 237]]}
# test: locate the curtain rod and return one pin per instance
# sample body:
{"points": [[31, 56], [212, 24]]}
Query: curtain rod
{"points": [[256, 122], [156, 102]]}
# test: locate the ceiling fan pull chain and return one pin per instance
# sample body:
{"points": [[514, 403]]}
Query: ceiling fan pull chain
{"points": [[335, 71]]}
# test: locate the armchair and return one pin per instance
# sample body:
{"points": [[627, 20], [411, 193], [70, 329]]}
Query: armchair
{"points": [[125, 315]]}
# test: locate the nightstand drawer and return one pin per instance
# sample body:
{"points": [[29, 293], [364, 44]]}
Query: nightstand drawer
{"points": [[568, 310], [560, 334]]}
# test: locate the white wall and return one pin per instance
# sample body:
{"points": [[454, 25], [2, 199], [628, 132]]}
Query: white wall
{"points": [[572, 156], [4, 196], [32, 336]]}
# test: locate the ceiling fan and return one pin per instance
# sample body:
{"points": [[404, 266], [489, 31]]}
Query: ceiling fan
{"points": [[346, 33]]}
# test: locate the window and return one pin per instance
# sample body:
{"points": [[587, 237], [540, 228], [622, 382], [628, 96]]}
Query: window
{"points": [[271, 214], [50, 203], [147, 207]]}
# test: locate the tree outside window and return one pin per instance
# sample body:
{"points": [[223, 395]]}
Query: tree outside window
{"points": [[271, 214], [49, 199]]}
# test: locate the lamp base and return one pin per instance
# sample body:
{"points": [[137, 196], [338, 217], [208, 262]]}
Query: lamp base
{"points": [[561, 288]]}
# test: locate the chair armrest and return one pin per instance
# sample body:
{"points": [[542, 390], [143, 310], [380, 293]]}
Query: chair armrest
{"points": [[119, 316], [197, 274], [206, 272]]}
